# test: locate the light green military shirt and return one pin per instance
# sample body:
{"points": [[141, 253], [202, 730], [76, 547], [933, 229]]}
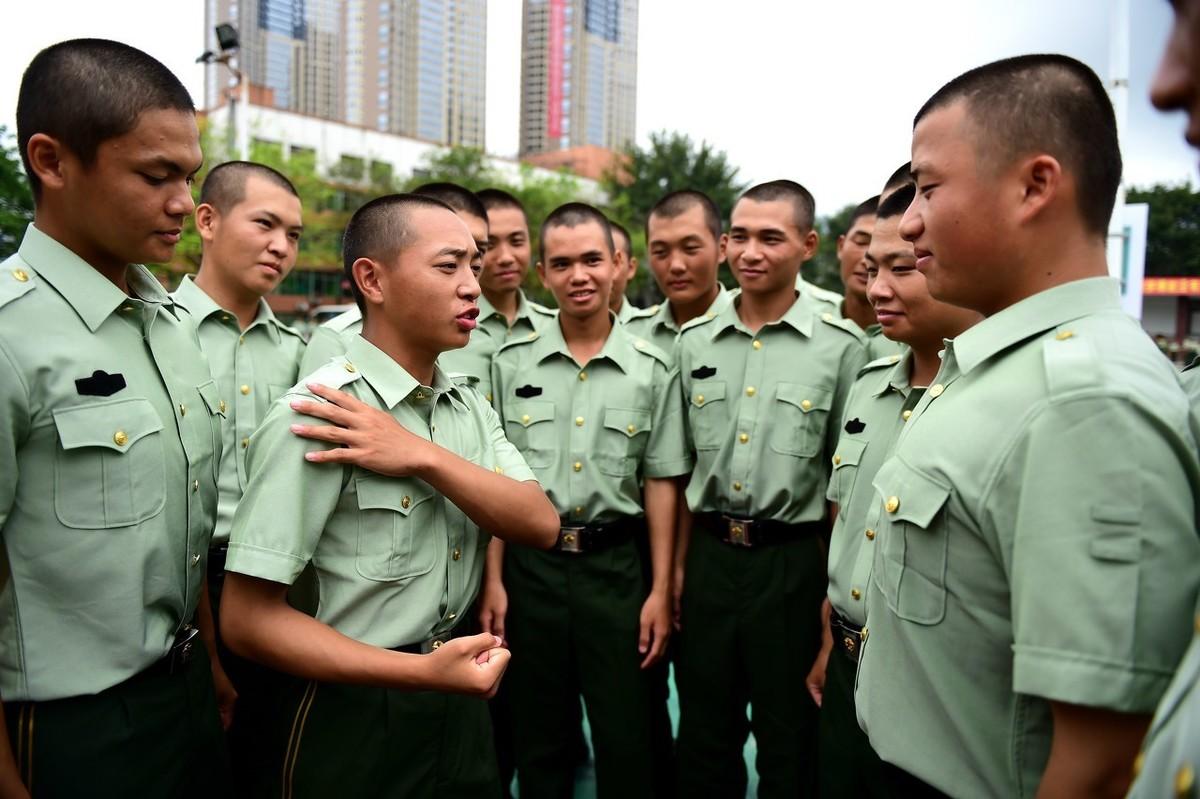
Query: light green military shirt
{"points": [[252, 368], [397, 563], [591, 433], [628, 311], [474, 361], [1190, 377], [830, 300], [763, 410], [329, 340], [878, 345], [1169, 762], [878, 406], [110, 434], [657, 325], [1036, 542]]}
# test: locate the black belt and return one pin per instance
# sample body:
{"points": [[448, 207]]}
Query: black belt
{"points": [[757, 532], [430, 644], [185, 647], [847, 636], [581, 539]]}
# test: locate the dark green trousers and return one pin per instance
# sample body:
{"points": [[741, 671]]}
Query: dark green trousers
{"points": [[154, 735], [849, 766], [363, 741], [573, 628], [751, 627]]}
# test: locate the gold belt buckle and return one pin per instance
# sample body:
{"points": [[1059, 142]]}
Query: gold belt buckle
{"points": [[568, 539], [739, 531]]}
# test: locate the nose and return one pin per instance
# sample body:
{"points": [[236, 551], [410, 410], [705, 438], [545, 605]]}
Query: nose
{"points": [[676, 266], [1172, 81], [879, 287], [180, 203], [578, 273], [911, 224], [501, 255], [278, 243], [751, 251], [469, 289]]}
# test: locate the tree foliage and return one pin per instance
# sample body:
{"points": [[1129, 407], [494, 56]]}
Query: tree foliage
{"points": [[16, 201], [1173, 233], [823, 270]]}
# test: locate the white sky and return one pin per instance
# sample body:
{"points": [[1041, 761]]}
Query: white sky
{"points": [[820, 92]]}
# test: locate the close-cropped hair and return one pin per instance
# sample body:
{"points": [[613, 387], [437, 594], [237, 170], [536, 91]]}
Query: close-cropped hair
{"points": [[225, 186], [679, 202], [379, 230], [83, 92], [865, 208], [1050, 104], [499, 198], [626, 244], [897, 202], [902, 175], [573, 215], [455, 196], [804, 207]]}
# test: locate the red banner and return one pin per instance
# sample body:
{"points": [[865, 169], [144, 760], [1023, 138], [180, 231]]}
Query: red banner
{"points": [[1171, 286], [554, 98]]}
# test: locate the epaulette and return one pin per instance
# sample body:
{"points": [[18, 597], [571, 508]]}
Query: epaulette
{"points": [[15, 282], [289, 329], [645, 313], [1071, 362], [821, 295], [517, 341], [845, 325], [344, 320], [646, 348], [462, 379], [335, 374], [537, 307], [880, 363], [703, 319]]}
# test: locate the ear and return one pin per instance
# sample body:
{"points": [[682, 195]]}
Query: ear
{"points": [[46, 160], [840, 241], [722, 243], [369, 277], [632, 267], [207, 219], [1042, 181], [812, 240], [541, 273], [618, 257]]}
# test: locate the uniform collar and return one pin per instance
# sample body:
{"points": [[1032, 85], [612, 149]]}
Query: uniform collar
{"points": [[898, 377], [665, 318], [627, 311], [392, 381], [487, 310], [618, 347], [202, 306], [799, 317], [1032, 316], [93, 296]]}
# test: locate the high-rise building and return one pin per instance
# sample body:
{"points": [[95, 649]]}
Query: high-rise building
{"points": [[578, 74], [415, 68]]}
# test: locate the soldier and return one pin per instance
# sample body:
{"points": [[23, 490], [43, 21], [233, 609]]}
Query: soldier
{"points": [[626, 267], [503, 308], [110, 435], [880, 402], [683, 238], [851, 249], [596, 413], [765, 379], [1036, 551], [387, 503]]}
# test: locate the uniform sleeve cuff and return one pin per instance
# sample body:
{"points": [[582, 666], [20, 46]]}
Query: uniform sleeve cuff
{"points": [[266, 564], [671, 468], [1077, 680]]}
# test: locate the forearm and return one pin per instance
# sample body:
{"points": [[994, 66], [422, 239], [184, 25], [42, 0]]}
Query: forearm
{"points": [[493, 564], [205, 624], [683, 532], [662, 504], [1091, 752], [514, 511]]}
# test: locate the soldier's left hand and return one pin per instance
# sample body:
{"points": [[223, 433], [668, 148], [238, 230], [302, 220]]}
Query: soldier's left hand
{"points": [[362, 435], [655, 628]]}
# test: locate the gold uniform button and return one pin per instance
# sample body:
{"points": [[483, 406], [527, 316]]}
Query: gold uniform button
{"points": [[737, 486], [182, 409], [583, 375], [1197, 623], [579, 421], [525, 419], [1138, 762], [405, 501], [893, 359], [578, 466], [630, 429], [244, 389], [195, 486], [639, 345], [805, 405], [221, 406], [241, 340], [350, 368], [870, 534], [456, 554], [1064, 335], [499, 470], [750, 391], [420, 395], [863, 635], [578, 510], [907, 415], [1185, 780], [21, 275], [489, 396], [892, 505], [120, 439], [936, 390], [744, 438], [245, 443], [837, 459], [828, 317], [699, 399], [757, 344], [451, 616], [855, 593], [224, 317]]}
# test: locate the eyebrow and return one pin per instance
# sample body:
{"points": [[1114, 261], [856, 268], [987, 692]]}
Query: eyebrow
{"points": [[172, 167], [276, 220], [457, 252]]}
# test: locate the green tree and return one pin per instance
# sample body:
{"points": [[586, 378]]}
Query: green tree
{"points": [[16, 201], [466, 166], [1173, 232], [823, 270]]}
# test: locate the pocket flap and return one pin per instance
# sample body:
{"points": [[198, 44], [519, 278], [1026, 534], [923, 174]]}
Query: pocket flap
{"points": [[849, 452], [210, 395], [806, 398], [707, 392], [627, 421], [527, 413], [908, 495], [387, 493], [116, 425]]}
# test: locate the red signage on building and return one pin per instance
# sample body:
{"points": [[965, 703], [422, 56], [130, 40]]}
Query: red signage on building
{"points": [[1171, 286], [554, 93]]}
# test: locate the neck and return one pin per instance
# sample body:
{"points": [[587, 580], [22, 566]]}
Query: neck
{"points": [[617, 301], [1074, 257], [858, 310], [925, 363], [112, 269], [758, 309], [415, 360], [683, 313], [585, 336], [506, 302], [243, 306]]}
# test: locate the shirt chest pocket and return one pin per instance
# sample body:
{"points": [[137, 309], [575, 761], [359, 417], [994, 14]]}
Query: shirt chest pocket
{"points": [[846, 459], [622, 441], [911, 561], [708, 414], [398, 528], [109, 469], [530, 427], [801, 416]]}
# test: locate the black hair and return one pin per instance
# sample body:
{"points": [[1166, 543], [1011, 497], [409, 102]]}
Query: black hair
{"points": [[803, 204], [225, 186], [1051, 104], [678, 202], [573, 215], [379, 230], [627, 245], [902, 175], [499, 198], [865, 208], [84, 92], [897, 202], [455, 196]]}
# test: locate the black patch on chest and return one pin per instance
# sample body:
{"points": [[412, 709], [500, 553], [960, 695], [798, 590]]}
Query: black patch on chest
{"points": [[100, 384], [855, 425], [527, 391], [704, 372]]}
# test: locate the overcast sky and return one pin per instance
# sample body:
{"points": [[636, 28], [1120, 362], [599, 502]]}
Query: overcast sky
{"points": [[820, 92]]}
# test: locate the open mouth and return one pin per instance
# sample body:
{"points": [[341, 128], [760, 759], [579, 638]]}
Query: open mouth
{"points": [[581, 295], [467, 319]]}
